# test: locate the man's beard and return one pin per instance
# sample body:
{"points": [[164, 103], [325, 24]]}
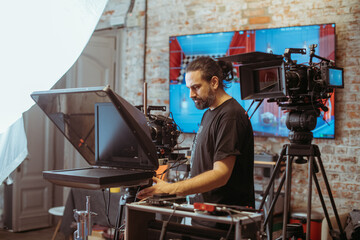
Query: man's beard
{"points": [[205, 103]]}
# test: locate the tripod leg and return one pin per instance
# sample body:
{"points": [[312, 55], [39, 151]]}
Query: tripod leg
{"points": [[322, 201], [287, 194], [342, 234], [272, 206], [272, 178], [308, 220]]}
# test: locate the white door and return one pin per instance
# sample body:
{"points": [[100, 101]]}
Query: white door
{"points": [[32, 195], [95, 67]]}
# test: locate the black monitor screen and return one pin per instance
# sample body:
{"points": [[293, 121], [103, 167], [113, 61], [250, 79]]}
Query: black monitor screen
{"points": [[115, 142]]}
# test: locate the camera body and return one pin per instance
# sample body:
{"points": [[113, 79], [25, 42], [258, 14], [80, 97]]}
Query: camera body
{"points": [[164, 134], [163, 130]]}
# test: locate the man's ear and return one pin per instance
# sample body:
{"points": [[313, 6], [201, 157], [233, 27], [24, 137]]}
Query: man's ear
{"points": [[214, 82]]}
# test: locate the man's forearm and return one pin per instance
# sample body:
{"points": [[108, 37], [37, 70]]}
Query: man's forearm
{"points": [[200, 183]]}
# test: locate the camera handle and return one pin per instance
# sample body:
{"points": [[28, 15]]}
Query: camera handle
{"points": [[289, 51], [312, 54]]}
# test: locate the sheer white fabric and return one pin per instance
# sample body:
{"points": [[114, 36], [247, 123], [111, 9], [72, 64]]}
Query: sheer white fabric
{"points": [[41, 40], [13, 148]]}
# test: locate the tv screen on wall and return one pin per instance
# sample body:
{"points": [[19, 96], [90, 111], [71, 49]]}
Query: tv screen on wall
{"points": [[269, 119]]}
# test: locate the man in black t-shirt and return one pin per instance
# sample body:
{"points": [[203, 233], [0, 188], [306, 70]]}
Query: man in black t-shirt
{"points": [[223, 152], [225, 132]]}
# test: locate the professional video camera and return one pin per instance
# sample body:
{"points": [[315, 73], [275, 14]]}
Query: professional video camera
{"points": [[302, 89], [269, 76], [164, 131]]}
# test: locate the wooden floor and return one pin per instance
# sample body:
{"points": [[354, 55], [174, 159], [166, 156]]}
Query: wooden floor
{"points": [[40, 234]]}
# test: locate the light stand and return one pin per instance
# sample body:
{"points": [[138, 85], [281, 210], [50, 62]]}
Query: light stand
{"points": [[83, 222], [300, 121]]}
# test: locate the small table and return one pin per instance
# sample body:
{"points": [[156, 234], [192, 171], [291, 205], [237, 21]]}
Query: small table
{"points": [[139, 214]]}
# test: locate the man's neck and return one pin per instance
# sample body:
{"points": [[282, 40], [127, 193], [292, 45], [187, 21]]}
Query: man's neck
{"points": [[221, 97]]}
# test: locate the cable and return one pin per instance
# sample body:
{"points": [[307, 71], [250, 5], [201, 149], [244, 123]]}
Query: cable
{"points": [[172, 166], [137, 191], [231, 226], [107, 208], [165, 224]]}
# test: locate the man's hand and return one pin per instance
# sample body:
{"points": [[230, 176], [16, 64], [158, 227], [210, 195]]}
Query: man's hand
{"points": [[160, 187], [201, 183]]}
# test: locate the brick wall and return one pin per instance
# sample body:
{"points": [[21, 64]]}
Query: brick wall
{"points": [[178, 17]]}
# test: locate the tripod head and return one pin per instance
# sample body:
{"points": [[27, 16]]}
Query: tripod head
{"points": [[301, 123], [301, 120]]}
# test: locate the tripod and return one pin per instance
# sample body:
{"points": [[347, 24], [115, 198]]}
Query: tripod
{"points": [[301, 122]]}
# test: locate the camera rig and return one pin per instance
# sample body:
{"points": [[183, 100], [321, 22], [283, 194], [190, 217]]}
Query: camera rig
{"points": [[300, 89]]}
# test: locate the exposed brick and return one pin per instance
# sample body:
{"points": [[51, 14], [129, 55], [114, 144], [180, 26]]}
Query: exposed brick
{"points": [[348, 177], [327, 149], [356, 196], [355, 133], [340, 150], [347, 159], [111, 12], [354, 151], [354, 115], [254, 12], [333, 177], [259, 20], [353, 124], [347, 194], [334, 168], [159, 80], [353, 106]]}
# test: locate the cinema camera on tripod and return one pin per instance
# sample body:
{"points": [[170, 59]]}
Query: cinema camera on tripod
{"points": [[301, 90]]}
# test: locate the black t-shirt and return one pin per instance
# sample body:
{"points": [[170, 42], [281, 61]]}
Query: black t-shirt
{"points": [[226, 131]]}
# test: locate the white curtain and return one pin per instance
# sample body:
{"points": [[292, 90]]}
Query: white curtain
{"points": [[40, 40], [13, 148]]}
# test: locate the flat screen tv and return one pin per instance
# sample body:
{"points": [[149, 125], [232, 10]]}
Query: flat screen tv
{"points": [[269, 119]]}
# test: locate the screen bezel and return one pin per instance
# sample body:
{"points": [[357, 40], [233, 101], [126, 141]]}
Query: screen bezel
{"points": [[248, 79], [342, 77]]}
